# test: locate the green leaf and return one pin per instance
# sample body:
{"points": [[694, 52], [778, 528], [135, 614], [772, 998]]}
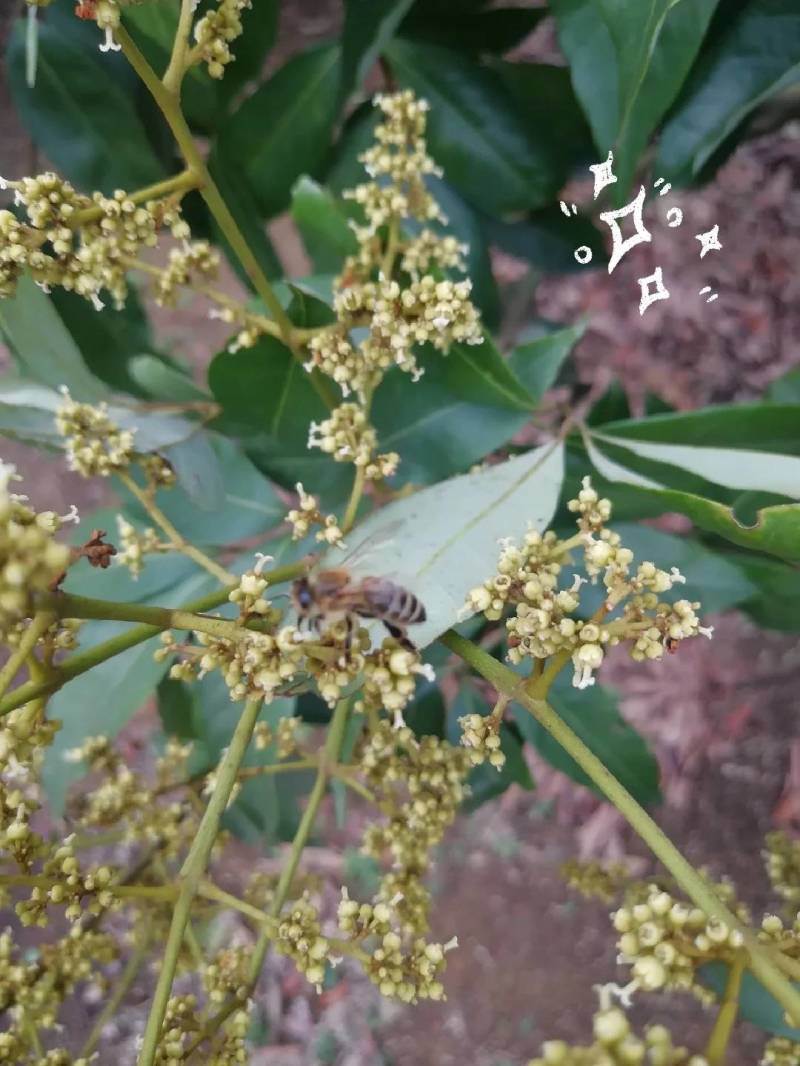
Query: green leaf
{"points": [[475, 131], [108, 341], [589, 48], [548, 240], [537, 362], [369, 25], [548, 103], [734, 468], [164, 382], [153, 28], [79, 115], [284, 129], [775, 603], [104, 698], [655, 46], [442, 540], [248, 504], [756, 1004], [43, 346], [755, 55], [496, 30], [451, 418], [765, 427], [594, 715], [241, 202], [775, 530], [323, 226], [267, 399]]}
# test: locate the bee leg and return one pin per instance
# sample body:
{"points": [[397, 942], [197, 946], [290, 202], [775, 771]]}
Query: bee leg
{"points": [[348, 639], [400, 635]]}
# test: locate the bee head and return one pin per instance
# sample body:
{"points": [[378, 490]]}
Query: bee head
{"points": [[302, 594]]}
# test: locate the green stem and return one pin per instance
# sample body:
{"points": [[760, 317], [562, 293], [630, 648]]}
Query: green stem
{"points": [[720, 1035], [177, 539], [81, 662], [169, 105], [182, 182], [173, 75], [39, 625], [127, 977], [355, 498], [69, 606], [329, 756], [192, 872], [701, 894]]}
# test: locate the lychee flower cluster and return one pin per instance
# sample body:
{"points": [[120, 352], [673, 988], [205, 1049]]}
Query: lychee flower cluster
{"points": [[181, 1024], [134, 546], [390, 677], [68, 887], [782, 858], [95, 445], [226, 975], [665, 940], [307, 514], [249, 593], [780, 1051], [545, 623], [195, 258], [31, 560], [36, 987], [480, 735], [348, 437], [214, 33], [594, 880], [80, 243], [286, 736], [300, 937], [616, 1044]]}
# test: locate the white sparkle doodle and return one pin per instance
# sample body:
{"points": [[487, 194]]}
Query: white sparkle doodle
{"points": [[651, 295], [622, 245], [583, 254], [568, 210], [603, 174], [709, 241], [712, 297], [674, 217]]}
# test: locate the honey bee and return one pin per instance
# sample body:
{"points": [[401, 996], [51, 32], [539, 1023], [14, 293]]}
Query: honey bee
{"points": [[334, 595]]}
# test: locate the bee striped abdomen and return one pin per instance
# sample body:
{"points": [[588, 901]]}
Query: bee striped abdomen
{"points": [[393, 602]]}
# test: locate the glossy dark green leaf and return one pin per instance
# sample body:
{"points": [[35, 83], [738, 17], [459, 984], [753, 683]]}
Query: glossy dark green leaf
{"points": [[474, 130], [153, 28], [267, 399], [369, 25], [756, 1004], [755, 55], [546, 100], [589, 48], [109, 341], [241, 202], [537, 363], [448, 420], [80, 116], [284, 129], [323, 225], [655, 45], [44, 348], [178, 709], [426, 716], [496, 30], [547, 240], [767, 427], [594, 715]]}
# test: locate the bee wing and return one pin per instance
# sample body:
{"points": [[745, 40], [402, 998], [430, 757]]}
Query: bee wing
{"points": [[361, 557]]}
